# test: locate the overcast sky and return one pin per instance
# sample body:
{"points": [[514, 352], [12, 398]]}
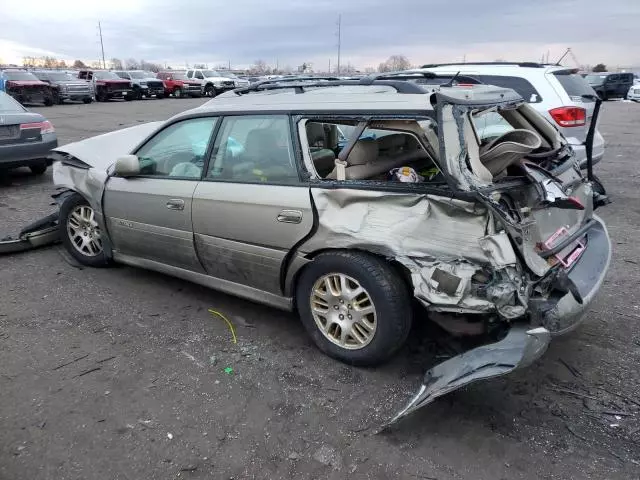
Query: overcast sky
{"points": [[295, 31]]}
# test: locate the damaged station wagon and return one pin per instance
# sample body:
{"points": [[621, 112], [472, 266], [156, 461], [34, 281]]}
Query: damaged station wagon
{"points": [[362, 205]]}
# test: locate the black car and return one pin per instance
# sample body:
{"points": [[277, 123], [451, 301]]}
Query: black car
{"points": [[25, 137], [610, 85]]}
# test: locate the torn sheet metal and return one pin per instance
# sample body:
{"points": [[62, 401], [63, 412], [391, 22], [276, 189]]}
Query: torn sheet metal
{"points": [[441, 241], [520, 348]]}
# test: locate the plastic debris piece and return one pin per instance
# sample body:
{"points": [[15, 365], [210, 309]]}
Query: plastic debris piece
{"points": [[233, 331], [170, 436], [228, 370], [213, 360]]}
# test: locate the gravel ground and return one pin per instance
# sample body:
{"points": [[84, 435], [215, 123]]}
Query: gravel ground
{"points": [[120, 373]]}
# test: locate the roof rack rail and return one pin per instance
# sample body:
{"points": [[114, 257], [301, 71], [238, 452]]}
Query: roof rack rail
{"points": [[519, 64], [401, 86], [417, 75]]}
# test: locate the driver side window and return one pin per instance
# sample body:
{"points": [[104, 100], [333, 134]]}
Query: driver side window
{"points": [[178, 150]]}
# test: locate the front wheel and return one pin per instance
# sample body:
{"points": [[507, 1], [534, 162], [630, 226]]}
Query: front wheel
{"points": [[209, 91], [80, 233], [87, 100], [48, 101], [38, 168], [177, 93], [355, 307]]}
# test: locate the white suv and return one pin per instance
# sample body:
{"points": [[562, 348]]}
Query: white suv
{"points": [[215, 82], [557, 92]]}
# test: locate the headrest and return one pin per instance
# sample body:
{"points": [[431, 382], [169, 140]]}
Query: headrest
{"points": [[261, 140], [315, 134], [364, 151]]}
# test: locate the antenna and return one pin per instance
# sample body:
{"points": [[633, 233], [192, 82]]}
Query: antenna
{"points": [[104, 64], [339, 42]]}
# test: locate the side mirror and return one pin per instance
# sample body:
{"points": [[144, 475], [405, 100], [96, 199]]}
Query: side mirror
{"points": [[127, 166]]}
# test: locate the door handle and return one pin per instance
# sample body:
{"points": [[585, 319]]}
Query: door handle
{"points": [[175, 204], [290, 216]]}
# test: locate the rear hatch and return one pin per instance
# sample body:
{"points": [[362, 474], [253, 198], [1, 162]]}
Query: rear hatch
{"points": [[540, 210], [581, 95]]}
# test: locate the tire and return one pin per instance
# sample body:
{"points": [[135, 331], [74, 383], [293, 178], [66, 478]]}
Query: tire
{"points": [[48, 101], [57, 99], [384, 289], [128, 98], [137, 94], [177, 92], [75, 208], [87, 100], [101, 96], [209, 91], [597, 186], [38, 168]]}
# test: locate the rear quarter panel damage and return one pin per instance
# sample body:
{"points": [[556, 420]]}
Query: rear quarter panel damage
{"points": [[442, 242]]}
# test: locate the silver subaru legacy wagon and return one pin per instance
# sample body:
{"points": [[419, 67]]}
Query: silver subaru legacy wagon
{"points": [[362, 205]]}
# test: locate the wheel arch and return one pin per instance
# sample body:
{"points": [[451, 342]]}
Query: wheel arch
{"points": [[301, 262]]}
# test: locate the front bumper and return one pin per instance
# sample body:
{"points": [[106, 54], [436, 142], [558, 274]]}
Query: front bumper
{"points": [[25, 154], [632, 95], [75, 96], [152, 90]]}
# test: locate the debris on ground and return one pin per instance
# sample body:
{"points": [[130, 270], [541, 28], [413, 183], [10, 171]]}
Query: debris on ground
{"points": [[329, 456], [229, 324], [228, 371], [192, 358], [170, 436]]}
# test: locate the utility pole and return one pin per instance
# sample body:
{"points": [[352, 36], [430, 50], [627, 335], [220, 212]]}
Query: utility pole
{"points": [[104, 64], [329, 66], [339, 42], [229, 65]]}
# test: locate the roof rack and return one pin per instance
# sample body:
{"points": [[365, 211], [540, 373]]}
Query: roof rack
{"points": [[519, 64], [400, 81], [418, 75], [299, 86]]}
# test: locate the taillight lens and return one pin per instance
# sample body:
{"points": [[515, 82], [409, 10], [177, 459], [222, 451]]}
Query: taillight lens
{"points": [[45, 127], [569, 116]]}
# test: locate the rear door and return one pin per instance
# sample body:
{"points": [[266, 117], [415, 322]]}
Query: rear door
{"points": [[149, 215], [251, 208]]}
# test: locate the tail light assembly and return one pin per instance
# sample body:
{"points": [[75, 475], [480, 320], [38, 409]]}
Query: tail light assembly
{"points": [[569, 116], [45, 127]]}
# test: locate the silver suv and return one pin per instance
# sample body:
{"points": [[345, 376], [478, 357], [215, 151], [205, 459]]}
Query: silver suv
{"points": [[362, 205], [558, 93]]}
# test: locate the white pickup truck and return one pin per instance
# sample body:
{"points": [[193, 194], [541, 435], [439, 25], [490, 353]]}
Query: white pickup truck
{"points": [[216, 82]]}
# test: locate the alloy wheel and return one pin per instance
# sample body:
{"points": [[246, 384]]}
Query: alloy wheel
{"points": [[84, 232], [343, 311]]}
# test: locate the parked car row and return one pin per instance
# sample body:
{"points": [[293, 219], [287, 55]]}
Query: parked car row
{"points": [[50, 87]]}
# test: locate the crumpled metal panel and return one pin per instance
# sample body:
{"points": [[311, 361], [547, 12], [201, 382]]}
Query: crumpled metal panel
{"points": [[442, 242], [520, 348]]}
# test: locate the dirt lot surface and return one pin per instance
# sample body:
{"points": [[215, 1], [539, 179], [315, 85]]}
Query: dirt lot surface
{"points": [[119, 373]]}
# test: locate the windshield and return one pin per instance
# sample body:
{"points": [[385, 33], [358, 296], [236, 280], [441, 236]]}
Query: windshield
{"points": [[149, 74], [179, 76], [211, 73], [596, 79], [137, 75], [20, 76], [9, 105], [58, 76], [106, 76]]}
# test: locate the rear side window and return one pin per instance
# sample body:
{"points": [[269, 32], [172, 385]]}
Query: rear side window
{"points": [[523, 87], [575, 86]]}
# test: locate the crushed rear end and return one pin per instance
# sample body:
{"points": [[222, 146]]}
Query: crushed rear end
{"points": [[549, 253]]}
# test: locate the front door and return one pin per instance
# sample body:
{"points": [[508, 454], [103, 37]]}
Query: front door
{"points": [[251, 208], [149, 216]]}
